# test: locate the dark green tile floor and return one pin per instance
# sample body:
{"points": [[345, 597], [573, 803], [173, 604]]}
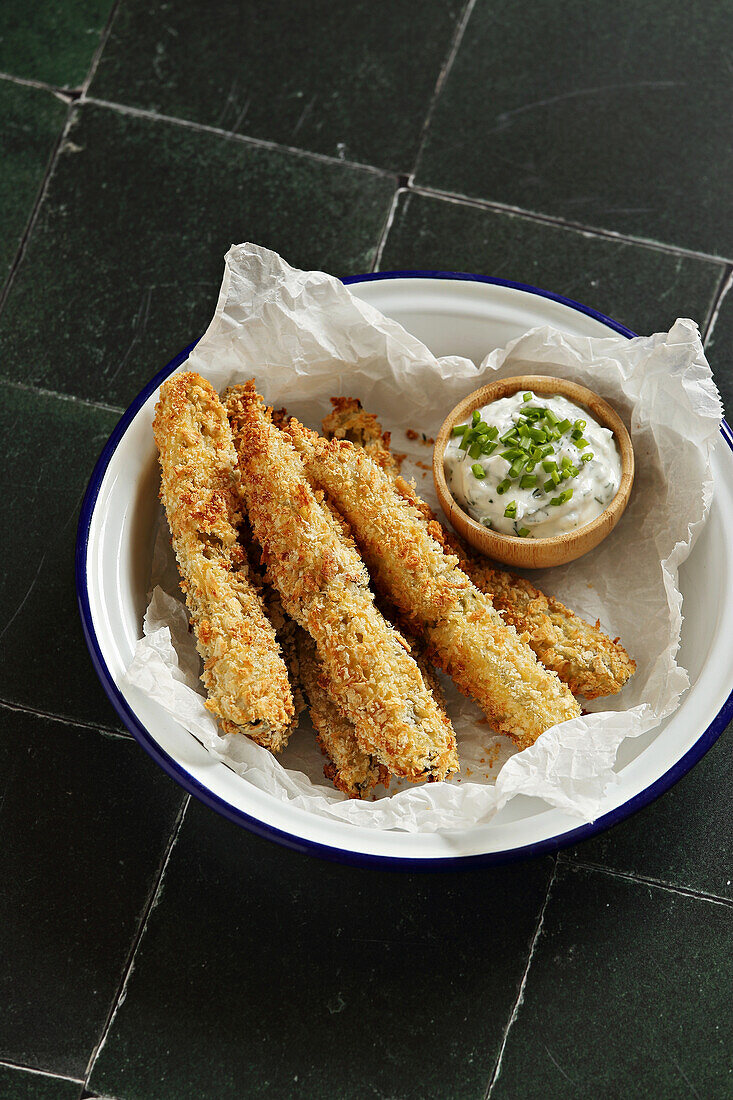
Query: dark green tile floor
{"points": [[130, 241], [592, 141], [353, 81], [51, 41], [399, 981], [32, 121], [645, 289], [611, 114], [627, 996], [19, 1084], [50, 446], [85, 821]]}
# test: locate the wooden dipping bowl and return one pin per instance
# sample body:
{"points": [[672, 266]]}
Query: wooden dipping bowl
{"points": [[529, 553]]}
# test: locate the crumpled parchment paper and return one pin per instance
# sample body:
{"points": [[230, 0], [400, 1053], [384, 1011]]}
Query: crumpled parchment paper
{"points": [[305, 338]]}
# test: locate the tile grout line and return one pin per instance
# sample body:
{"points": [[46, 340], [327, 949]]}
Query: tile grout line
{"points": [[53, 160], [96, 727], [646, 880], [69, 95], [385, 229], [258, 143], [726, 283], [442, 76], [43, 392], [550, 219], [522, 985], [41, 1072], [36, 208], [119, 999], [103, 39]]}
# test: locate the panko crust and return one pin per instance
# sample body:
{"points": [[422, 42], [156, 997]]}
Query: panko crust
{"points": [[354, 772], [324, 587], [464, 634], [583, 656], [244, 673]]}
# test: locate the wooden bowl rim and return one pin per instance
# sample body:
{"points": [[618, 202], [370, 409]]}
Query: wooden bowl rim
{"points": [[598, 407]]}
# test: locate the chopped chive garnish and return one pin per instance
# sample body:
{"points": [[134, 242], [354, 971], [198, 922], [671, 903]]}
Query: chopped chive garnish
{"points": [[579, 425], [572, 471], [476, 417], [551, 417], [581, 444], [475, 450], [516, 467], [465, 442], [528, 481], [587, 457], [562, 499], [523, 532], [526, 397], [549, 465], [565, 461], [502, 487], [577, 433], [510, 436], [478, 471], [493, 432], [511, 453], [563, 426], [460, 429], [488, 448], [538, 435], [555, 476], [549, 486], [510, 512], [482, 429], [530, 465]]}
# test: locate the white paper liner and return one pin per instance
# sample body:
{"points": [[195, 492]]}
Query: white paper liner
{"points": [[304, 338]]}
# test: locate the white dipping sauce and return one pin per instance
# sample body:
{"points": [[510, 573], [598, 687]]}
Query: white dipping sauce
{"points": [[541, 501]]}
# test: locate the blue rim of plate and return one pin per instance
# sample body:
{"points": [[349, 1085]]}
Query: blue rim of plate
{"points": [[291, 840]]}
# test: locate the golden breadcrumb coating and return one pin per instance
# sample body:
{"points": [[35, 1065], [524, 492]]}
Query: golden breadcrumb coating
{"points": [[244, 673], [286, 630], [465, 636], [352, 770], [583, 656], [324, 587]]}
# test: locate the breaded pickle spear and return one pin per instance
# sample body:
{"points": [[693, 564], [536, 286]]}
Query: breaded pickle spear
{"points": [[286, 631], [352, 770], [465, 636], [585, 658], [244, 673], [324, 587]]}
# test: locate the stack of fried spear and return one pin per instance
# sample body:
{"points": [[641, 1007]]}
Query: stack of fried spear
{"points": [[311, 567]]}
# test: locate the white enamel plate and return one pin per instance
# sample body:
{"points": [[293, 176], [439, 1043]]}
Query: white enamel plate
{"points": [[452, 315]]}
